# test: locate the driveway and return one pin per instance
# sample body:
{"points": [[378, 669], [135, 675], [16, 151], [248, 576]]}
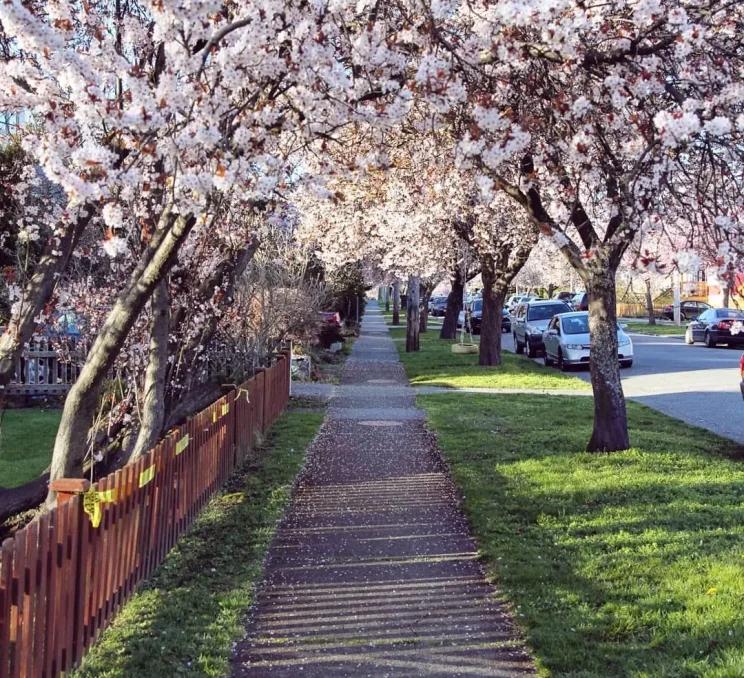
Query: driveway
{"points": [[696, 384]]}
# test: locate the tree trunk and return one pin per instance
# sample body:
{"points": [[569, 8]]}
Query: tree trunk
{"points": [[610, 418], [493, 303], [424, 307], [153, 409], [396, 303], [649, 304], [726, 294], [454, 306], [387, 298], [412, 315], [37, 292], [71, 443]]}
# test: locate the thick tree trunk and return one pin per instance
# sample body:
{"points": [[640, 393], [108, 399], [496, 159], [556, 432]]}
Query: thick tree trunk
{"points": [[610, 419], [72, 437], [650, 304], [396, 303], [494, 295], [454, 306], [412, 315], [37, 292], [726, 294], [153, 408], [424, 307]]}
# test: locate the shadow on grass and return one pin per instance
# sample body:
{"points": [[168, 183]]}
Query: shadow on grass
{"points": [[184, 620], [624, 564]]}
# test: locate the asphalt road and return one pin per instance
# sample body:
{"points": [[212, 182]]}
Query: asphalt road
{"points": [[696, 384]]}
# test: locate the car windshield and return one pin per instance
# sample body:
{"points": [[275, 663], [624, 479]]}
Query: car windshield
{"points": [[729, 313], [576, 324], [545, 312]]}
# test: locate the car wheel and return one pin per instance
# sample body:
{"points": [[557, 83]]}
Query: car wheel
{"points": [[531, 350], [626, 363], [689, 339], [710, 342], [547, 359], [561, 364], [518, 348]]}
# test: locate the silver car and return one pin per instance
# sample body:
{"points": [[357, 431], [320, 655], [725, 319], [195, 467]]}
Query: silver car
{"points": [[515, 300], [530, 321], [567, 341]]}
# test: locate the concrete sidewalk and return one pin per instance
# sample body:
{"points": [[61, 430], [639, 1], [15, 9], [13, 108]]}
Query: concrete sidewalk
{"points": [[373, 571]]}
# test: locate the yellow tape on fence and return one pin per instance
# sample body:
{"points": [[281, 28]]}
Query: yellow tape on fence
{"points": [[182, 444], [147, 475], [107, 496], [92, 501], [92, 506]]}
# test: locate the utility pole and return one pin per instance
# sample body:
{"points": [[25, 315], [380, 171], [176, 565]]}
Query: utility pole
{"points": [[677, 299]]}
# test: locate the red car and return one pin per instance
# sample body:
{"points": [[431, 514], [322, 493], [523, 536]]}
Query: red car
{"points": [[331, 318]]}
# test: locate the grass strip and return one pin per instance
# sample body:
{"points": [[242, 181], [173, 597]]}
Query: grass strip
{"points": [[26, 443], [655, 330], [436, 365], [184, 620], [622, 564]]}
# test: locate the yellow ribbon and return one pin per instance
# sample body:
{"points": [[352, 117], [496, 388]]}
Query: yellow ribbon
{"points": [[92, 506], [92, 501], [147, 475], [182, 444]]}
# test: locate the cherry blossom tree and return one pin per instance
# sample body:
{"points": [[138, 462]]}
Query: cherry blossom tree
{"points": [[594, 119], [145, 113]]}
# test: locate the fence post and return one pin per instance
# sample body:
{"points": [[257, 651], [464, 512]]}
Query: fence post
{"points": [[67, 488]]}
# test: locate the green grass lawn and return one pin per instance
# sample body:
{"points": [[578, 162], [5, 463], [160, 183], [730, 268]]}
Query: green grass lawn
{"points": [[184, 620], [436, 365], [26, 442], [622, 564], [658, 330]]}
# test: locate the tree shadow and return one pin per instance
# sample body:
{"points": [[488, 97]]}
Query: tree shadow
{"points": [[183, 620], [617, 565]]}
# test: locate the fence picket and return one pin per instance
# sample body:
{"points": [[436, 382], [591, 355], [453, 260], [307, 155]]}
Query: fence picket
{"points": [[62, 579]]}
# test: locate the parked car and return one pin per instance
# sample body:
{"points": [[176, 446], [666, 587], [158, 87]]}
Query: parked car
{"points": [[330, 318], [437, 306], [717, 326], [506, 323], [567, 341], [516, 299], [741, 373], [476, 316], [530, 320], [330, 328], [580, 302], [688, 310], [565, 296]]}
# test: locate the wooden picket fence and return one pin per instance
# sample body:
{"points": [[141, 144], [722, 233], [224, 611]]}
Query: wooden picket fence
{"points": [[62, 580]]}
